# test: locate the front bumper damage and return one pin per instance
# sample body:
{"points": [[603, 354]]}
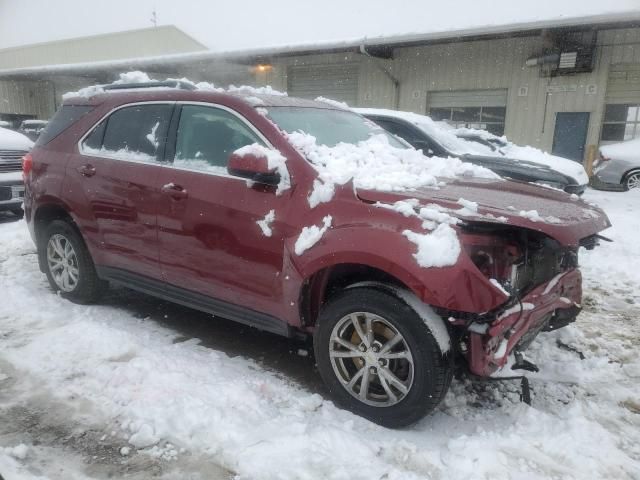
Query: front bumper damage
{"points": [[548, 306]]}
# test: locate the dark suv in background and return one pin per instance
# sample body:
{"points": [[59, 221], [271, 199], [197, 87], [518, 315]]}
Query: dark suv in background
{"points": [[205, 198]]}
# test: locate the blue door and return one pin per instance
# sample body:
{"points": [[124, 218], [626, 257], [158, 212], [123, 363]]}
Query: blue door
{"points": [[570, 135]]}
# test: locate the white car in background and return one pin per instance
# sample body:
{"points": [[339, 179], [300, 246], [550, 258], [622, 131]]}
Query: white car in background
{"points": [[13, 146]]}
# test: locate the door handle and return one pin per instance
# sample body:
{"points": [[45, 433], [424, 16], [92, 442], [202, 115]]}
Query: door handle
{"points": [[87, 170], [174, 191]]}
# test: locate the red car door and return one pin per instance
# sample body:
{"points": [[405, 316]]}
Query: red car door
{"points": [[210, 241], [114, 183]]}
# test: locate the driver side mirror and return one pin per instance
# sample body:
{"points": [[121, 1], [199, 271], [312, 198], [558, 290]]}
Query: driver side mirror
{"points": [[253, 167]]}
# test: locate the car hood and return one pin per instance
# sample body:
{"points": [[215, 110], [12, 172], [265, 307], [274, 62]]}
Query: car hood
{"points": [[563, 217], [10, 140], [563, 165], [520, 169]]}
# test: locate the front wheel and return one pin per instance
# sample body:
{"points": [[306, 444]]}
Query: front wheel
{"points": [[632, 180], [380, 358], [68, 264]]}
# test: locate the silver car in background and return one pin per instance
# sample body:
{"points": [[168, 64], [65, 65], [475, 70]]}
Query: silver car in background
{"points": [[618, 166]]}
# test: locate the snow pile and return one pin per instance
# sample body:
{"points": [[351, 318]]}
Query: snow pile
{"points": [[439, 248], [311, 235], [19, 451], [10, 140], [626, 151], [534, 216], [375, 164], [130, 371], [265, 223], [275, 161]]}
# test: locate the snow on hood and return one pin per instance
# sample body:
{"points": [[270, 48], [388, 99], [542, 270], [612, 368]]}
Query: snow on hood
{"points": [[375, 164], [627, 151], [530, 154], [564, 217], [449, 138], [10, 140]]}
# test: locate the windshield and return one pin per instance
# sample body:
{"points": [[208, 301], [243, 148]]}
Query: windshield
{"points": [[480, 141], [330, 127]]}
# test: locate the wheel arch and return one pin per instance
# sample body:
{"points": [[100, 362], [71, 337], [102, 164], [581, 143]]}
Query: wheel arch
{"points": [[626, 174], [324, 282], [43, 216]]}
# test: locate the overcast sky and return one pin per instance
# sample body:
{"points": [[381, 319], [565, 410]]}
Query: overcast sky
{"points": [[242, 24]]}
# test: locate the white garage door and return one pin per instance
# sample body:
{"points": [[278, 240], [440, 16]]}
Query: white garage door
{"points": [[484, 109], [624, 84], [338, 82]]}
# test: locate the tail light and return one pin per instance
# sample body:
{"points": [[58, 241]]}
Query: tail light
{"points": [[27, 166]]}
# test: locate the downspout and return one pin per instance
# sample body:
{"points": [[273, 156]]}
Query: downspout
{"points": [[390, 76]]}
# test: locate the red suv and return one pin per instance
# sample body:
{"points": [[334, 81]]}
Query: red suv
{"points": [[217, 201]]}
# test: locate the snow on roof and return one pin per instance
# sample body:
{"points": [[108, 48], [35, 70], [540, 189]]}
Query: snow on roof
{"points": [[629, 151], [257, 96], [137, 79], [285, 26]]}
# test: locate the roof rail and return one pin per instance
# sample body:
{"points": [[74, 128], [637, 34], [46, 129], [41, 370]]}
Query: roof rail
{"points": [[167, 83]]}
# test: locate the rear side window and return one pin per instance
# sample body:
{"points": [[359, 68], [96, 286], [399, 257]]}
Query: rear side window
{"points": [[66, 116], [136, 133]]}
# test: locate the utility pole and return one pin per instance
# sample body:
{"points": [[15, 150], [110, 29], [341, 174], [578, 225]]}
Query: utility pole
{"points": [[154, 18]]}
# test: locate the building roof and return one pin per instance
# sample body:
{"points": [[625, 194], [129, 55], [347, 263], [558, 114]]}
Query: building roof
{"points": [[110, 47], [289, 27]]}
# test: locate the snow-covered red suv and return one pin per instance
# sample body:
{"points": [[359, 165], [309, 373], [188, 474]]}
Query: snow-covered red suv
{"points": [[302, 217]]}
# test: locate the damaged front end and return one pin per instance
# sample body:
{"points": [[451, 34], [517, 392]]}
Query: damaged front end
{"points": [[541, 281]]}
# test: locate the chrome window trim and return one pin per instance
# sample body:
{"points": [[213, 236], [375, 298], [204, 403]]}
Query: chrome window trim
{"points": [[240, 117], [105, 116]]}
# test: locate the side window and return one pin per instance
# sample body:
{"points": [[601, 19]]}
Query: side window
{"points": [[207, 136], [137, 133], [400, 130], [94, 140]]}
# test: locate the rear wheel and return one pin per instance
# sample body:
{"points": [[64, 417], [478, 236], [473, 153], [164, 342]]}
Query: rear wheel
{"points": [[68, 264], [379, 358], [632, 180]]}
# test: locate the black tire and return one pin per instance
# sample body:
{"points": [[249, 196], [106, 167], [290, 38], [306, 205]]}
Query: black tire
{"points": [[432, 370], [18, 212], [627, 178], [88, 287]]}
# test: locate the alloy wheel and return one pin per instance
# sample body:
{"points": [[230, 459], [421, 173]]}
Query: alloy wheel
{"points": [[63, 263], [371, 359], [633, 180]]}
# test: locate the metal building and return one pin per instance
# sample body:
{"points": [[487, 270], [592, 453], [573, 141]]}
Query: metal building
{"points": [[564, 88]]}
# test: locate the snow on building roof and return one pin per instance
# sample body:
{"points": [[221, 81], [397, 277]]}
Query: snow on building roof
{"points": [[290, 27]]}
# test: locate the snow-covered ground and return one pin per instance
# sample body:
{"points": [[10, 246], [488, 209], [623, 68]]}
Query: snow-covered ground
{"points": [[118, 389]]}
